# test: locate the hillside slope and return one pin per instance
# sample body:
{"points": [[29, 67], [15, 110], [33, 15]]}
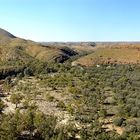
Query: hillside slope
{"points": [[113, 54], [5, 34], [79, 47], [15, 50]]}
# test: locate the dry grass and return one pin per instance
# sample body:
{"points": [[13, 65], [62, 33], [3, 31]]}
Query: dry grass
{"points": [[118, 54], [43, 53], [24, 50]]}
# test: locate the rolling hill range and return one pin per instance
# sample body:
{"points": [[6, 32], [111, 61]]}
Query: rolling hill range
{"points": [[15, 50], [113, 53]]}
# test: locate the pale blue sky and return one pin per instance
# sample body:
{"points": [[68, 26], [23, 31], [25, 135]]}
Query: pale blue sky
{"points": [[72, 20]]}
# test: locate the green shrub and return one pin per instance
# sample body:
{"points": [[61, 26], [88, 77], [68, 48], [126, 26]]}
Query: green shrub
{"points": [[61, 104], [118, 121]]}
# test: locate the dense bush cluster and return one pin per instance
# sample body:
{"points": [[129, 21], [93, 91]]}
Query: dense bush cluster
{"points": [[98, 94]]}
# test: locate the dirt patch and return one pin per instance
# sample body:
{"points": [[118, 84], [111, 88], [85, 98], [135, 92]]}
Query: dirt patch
{"points": [[111, 127]]}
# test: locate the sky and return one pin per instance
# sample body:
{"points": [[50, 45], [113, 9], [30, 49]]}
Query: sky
{"points": [[72, 20]]}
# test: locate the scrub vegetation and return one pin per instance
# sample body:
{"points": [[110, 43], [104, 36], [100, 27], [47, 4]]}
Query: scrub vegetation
{"points": [[63, 100]]}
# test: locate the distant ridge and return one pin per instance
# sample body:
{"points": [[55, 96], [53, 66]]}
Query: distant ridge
{"points": [[5, 34]]}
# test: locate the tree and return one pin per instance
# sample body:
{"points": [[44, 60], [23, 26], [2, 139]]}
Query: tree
{"points": [[16, 99], [2, 105], [8, 128], [8, 80], [118, 121], [28, 72], [45, 125], [28, 121], [7, 84], [20, 75]]}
